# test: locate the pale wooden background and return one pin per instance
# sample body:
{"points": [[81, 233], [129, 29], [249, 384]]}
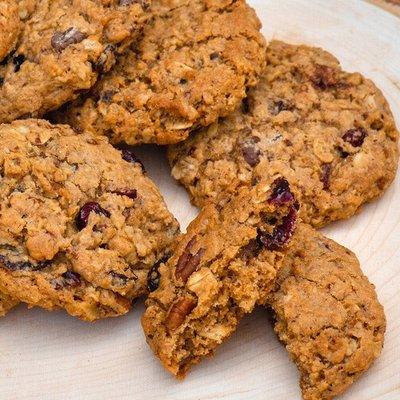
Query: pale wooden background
{"points": [[392, 6], [50, 356]]}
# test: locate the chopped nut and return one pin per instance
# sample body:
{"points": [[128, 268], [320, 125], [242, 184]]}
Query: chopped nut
{"points": [[188, 262], [179, 311]]}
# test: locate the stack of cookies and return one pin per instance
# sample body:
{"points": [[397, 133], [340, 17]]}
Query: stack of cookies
{"points": [[271, 141]]}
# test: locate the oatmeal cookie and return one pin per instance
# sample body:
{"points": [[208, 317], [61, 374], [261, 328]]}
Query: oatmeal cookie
{"points": [[329, 132], [6, 304], [220, 269], [65, 45], [193, 64], [327, 314], [10, 26], [80, 222]]}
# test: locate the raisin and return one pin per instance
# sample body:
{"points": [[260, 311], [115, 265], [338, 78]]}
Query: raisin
{"points": [[281, 233], [188, 262], [324, 77], [246, 105], [281, 193], [128, 155], [326, 175], [355, 137], [82, 218], [23, 265], [18, 60], [71, 279], [61, 40], [119, 279], [154, 276], [250, 152]]}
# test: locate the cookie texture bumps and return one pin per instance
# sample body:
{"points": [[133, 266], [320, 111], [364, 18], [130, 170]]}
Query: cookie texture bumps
{"points": [[220, 269], [6, 304], [192, 65], [10, 26], [329, 132], [65, 45], [79, 226], [327, 314]]}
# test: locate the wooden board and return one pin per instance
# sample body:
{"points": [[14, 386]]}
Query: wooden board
{"points": [[51, 356]]}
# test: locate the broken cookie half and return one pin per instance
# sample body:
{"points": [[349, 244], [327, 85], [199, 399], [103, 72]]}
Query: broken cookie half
{"points": [[224, 265]]}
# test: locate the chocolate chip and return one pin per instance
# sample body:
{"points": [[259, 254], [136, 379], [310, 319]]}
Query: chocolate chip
{"points": [[250, 152], [324, 77], [326, 175], [188, 262], [61, 40], [355, 137], [281, 233], [18, 60], [82, 218], [281, 193]]}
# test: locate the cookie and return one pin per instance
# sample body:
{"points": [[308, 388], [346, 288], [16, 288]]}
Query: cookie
{"points": [[193, 64], [65, 45], [220, 269], [327, 314], [80, 222], [329, 132], [10, 26], [6, 304]]}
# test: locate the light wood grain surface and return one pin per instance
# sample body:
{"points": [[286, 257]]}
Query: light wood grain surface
{"points": [[393, 6], [50, 356]]}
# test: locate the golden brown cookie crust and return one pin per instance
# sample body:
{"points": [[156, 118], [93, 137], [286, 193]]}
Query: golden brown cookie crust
{"points": [[329, 132], [65, 45], [6, 304], [79, 226], [10, 26], [327, 314], [193, 64], [220, 269]]}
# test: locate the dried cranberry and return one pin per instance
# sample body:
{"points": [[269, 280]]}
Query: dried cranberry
{"points": [[131, 193], [355, 137], [128, 155], [71, 279], [324, 77], [281, 193], [281, 233], [18, 60], [82, 218], [326, 175], [61, 40]]}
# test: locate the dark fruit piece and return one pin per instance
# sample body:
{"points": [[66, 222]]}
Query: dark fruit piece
{"points": [[188, 262], [278, 106], [106, 96], [246, 105], [153, 277], [128, 155], [251, 250], [326, 175], [281, 193], [281, 233], [61, 40], [106, 59], [131, 193], [250, 152], [324, 77], [18, 61], [23, 265], [71, 279], [119, 279], [355, 137], [82, 218]]}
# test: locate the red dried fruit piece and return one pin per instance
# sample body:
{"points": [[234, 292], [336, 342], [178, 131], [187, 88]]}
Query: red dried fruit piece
{"points": [[188, 262], [131, 193], [355, 137], [324, 77], [281, 193], [61, 40], [179, 311], [326, 175], [128, 155], [82, 218], [281, 233]]}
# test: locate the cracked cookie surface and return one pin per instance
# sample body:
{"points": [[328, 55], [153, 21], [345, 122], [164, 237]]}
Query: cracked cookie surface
{"points": [[64, 46], [329, 132], [10, 26], [192, 65], [220, 269], [79, 226], [327, 314]]}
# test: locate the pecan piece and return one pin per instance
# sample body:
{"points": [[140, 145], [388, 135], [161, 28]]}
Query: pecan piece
{"points": [[179, 311], [188, 262]]}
